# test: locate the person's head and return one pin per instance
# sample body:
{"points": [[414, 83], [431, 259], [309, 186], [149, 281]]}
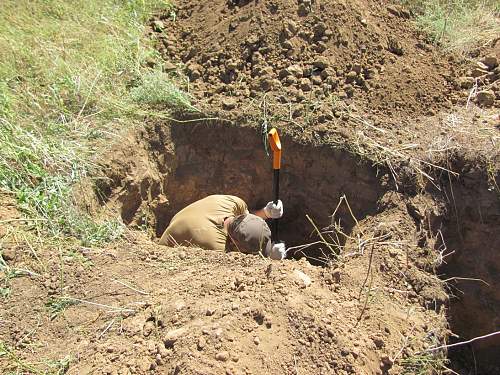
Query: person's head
{"points": [[250, 234]]}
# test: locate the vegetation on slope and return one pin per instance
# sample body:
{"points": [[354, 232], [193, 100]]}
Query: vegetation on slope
{"points": [[459, 25], [71, 74]]}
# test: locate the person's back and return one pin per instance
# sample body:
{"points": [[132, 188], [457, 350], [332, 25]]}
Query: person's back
{"points": [[202, 222]]}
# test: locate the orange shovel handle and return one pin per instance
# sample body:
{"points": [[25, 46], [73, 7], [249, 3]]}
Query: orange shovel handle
{"points": [[275, 143]]}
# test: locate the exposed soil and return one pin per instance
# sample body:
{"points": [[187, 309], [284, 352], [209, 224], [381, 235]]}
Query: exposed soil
{"points": [[380, 152], [362, 53]]}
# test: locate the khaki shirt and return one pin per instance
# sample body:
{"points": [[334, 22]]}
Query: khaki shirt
{"points": [[202, 222]]}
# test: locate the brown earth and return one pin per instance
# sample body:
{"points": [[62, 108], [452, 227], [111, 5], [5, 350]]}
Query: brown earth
{"points": [[400, 195], [329, 54]]}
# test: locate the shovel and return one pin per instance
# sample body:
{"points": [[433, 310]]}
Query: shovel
{"points": [[275, 143]]}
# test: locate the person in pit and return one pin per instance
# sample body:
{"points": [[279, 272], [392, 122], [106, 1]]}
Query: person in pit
{"points": [[223, 222]]}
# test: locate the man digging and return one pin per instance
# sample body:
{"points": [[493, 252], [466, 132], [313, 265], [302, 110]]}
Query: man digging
{"points": [[223, 222]]}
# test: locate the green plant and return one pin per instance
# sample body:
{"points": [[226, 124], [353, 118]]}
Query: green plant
{"points": [[65, 85], [156, 87], [460, 25], [57, 305], [424, 364]]}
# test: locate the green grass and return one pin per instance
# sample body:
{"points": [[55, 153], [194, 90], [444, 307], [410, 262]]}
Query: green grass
{"points": [[459, 25], [72, 74], [424, 364], [17, 365], [56, 306]]}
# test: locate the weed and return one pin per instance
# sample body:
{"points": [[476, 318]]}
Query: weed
{"points": [[423, 364], [21, 366], [156, 88], [57, 305], [8, 273]]}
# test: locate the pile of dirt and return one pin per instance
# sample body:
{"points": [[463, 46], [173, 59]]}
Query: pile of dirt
{"points": [[365, 53], [152, 309]]}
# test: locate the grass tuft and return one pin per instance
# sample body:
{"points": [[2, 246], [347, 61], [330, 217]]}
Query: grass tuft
{"points": [[157, 88], [459, 25]]}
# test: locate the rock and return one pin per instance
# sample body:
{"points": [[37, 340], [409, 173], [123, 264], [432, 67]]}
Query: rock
{"points": [[210, 311], [491, 62], [169, 67], [304, 10], [466, 82], [351, 76], [321, 63], [149, 326], [158, 26], [172, 336], [295, 71], [305, 84], [8, 254], [194, 71], [302, 279], [319, 30], [229, 103], [256, 340], [222, 356], [482, 66], [378, 341], [202, 343], [316, 80], [290, 80], [336, 275], [486, 98], [394, 46]]}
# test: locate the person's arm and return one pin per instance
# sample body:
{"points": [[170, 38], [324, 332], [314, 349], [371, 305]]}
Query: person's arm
{"points": [[260, 213], [270, 211]]}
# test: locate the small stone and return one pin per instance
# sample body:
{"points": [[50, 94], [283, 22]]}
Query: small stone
{"points": [[149, 326], [466, 82], [302, 279], [295, 71], [303, 10], [305, 84], [210, 311], [336, 274], [169, 67], [316, 80], [235, 357], [202, 343], [379, 342], [8, 254], [256, 340], [486, 98], [229, 103], [351, 76], [321, 62], [172, 336], [158, 26], [222, 356]]}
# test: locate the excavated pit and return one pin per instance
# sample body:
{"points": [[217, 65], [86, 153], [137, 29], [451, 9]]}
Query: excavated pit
{"points": [[181, 163], [217, 159]]}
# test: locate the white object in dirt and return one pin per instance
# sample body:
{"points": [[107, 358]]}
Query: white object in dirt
{"points": [[278, 251], [302, 279]]}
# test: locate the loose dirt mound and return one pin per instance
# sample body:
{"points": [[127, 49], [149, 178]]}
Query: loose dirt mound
{"points": [[365, 52], [151, 309]]}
